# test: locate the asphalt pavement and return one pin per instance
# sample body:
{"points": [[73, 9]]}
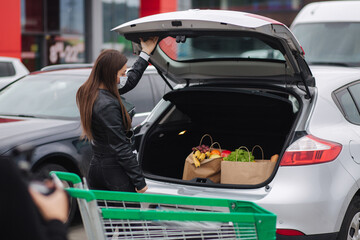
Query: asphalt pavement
{"points": [[76, 230], [77, 233]]}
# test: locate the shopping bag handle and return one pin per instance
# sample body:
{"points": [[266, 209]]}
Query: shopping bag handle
{"points": [[262, 151], [243, 147]]}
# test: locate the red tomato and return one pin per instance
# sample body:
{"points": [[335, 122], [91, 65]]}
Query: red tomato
{"points": [[225, 153]]}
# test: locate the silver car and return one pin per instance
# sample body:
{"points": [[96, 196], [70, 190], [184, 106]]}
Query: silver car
{"points": [[242, 97]]}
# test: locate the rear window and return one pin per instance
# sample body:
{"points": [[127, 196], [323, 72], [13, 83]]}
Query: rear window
{"points": [[6, 69], [334, 43], [349, 103], [183, 48]]}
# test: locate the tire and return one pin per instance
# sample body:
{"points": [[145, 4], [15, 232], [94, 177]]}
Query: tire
{"points": [[351, 224], [43, 171]]}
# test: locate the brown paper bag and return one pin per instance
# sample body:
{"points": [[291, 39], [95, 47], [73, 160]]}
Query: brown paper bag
{"points": [[246, 172], [209, 168]]}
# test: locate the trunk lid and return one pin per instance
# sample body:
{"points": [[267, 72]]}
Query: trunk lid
{"points": [[208, 45]]}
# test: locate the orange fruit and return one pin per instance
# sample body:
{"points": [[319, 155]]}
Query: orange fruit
{"points": [[215, 152]]}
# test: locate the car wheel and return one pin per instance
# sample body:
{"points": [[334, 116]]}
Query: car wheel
{"points": [[350, 228], [43, 172]]}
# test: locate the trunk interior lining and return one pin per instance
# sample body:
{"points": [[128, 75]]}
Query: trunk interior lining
{"points": [[233, 119]]}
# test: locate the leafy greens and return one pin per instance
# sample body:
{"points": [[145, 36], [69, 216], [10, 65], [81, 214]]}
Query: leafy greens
{"points": [[240, 155]]}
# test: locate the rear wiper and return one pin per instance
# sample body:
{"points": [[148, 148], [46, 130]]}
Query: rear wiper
{"points": [[18, 115], [24, 115], [330, 63]]}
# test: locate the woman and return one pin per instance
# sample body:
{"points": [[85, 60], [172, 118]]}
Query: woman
{"points": [[106, 123]]}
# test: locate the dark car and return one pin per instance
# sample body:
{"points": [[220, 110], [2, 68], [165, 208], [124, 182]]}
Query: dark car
{"points": [[40, 110]]}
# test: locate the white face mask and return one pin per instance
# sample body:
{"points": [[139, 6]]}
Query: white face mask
{"points": [[123, 81]]}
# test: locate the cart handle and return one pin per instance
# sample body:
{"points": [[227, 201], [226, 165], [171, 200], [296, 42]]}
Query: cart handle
{"points": [[66, 176], [81, 193]]}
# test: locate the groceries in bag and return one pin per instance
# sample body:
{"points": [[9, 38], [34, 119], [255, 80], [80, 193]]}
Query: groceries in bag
{"points": [[201, 163], [241, 167]]}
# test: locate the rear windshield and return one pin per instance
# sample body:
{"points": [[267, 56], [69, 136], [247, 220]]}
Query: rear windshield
{"points": [[183, 48], [42, 96], [330, 43]]}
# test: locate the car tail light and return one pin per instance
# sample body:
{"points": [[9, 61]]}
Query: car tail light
{"points": [[310, 150], [289, 232]]}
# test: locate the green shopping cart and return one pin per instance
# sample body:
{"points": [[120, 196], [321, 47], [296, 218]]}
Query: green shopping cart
{"points": [[123, 215]]}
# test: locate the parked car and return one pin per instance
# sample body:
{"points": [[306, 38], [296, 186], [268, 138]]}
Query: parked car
{"points": [[329, 32], [312, 123], [40, 111], [145, 96], [10, 70]]}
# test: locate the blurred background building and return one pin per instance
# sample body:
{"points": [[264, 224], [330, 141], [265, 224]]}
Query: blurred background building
{"points": [[46, 32]]}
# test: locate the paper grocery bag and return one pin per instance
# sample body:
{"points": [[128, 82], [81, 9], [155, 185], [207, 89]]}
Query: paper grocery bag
{"points": [[246, 172], [209, 168]]}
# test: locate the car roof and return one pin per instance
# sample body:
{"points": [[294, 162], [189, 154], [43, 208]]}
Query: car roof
{"points": [[66, 71], [77, 69], [9, 59], [329, 11], [333, 77], [67, 66]]}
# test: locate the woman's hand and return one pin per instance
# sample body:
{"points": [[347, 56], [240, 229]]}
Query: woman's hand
{"points": [[142, 190], [53, 206], [149, 45]]}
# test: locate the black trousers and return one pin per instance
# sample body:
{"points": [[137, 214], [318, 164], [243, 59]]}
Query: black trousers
{"points": [[106, 174]]}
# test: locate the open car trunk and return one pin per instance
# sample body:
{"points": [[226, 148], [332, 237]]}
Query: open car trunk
{"points": [[233, 117]]}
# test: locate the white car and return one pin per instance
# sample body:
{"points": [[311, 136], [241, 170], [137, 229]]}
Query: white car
{"points": [[309, 119], [10, 70], [329, 32]]}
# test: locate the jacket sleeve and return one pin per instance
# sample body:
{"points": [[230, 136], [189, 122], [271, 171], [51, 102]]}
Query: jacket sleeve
{"points": [[111, 117], [134, 75]]}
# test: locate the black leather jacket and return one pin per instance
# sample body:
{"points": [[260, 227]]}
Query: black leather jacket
{"points": [[111, 147]]}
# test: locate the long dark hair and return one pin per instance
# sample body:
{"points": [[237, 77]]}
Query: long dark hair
{"points": [[104, 71]]}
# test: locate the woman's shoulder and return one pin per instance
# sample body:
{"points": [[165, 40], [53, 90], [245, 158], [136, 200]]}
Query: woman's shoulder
{"points": [[104, 99], [106, 96]]}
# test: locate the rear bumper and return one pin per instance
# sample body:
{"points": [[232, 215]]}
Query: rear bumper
{"points": [[310, 199], [328, 236]]}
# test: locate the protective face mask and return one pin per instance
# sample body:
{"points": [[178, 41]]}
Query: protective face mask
{"points": [[123, 81]]}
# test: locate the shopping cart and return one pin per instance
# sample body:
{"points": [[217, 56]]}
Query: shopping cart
{"points": [[123, 215]]}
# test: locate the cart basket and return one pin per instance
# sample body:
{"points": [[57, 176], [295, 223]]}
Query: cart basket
{"points": [[124, 215]]}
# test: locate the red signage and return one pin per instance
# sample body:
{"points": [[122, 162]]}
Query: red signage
{"points": [[10, 25]]}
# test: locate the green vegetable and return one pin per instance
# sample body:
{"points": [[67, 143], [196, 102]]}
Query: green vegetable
{"points": [[239, 155]]}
